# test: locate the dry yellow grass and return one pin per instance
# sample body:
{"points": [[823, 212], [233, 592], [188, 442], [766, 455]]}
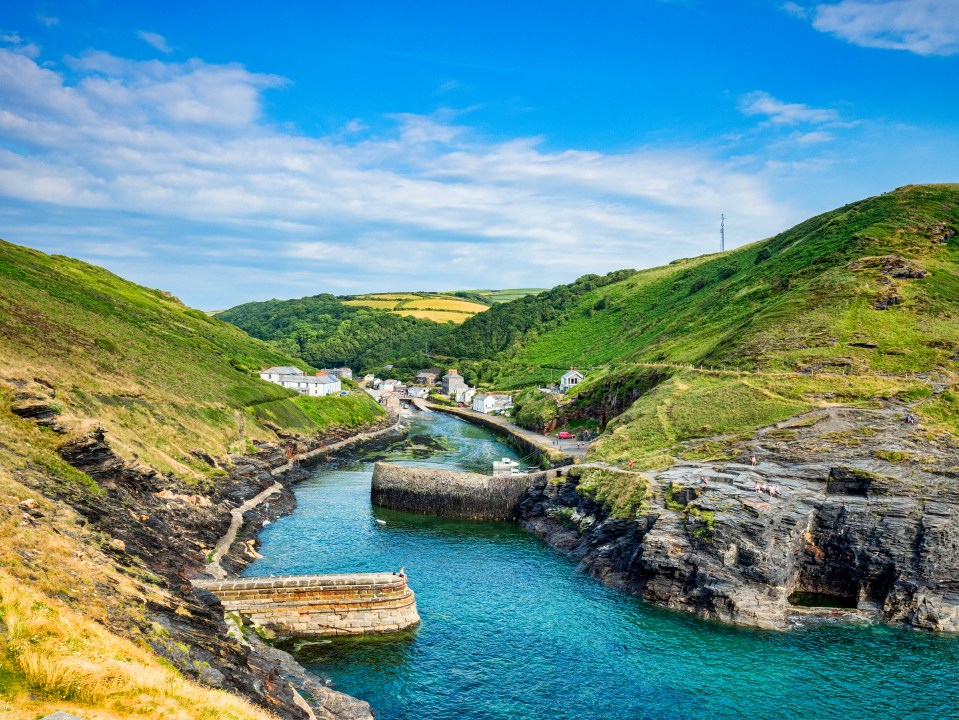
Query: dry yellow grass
{"points": [[56, 659], [436, 315], [439, 303], [57, 591]]}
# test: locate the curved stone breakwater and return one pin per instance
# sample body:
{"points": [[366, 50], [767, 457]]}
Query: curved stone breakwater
{"points": [[349, 604], [452, 493]]}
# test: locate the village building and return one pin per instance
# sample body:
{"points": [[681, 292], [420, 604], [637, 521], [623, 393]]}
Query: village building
{"points": [[317, 385], [464, 395], [389, 385], [452, 381], [427, 377], [418, 391], [483, 403], [274, 374], [344, 373], [571, 379], [487, 403], [368, 379]]}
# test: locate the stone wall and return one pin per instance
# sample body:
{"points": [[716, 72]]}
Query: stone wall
{"points": [[555, 458], [451, 493], [351, 604]]}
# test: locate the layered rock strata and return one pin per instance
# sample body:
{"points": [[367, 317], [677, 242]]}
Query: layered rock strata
{"points": [[867, 518], [159, 527]]}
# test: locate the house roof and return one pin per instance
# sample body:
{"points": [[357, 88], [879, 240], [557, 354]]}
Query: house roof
{"points": [[573, 373], [284, 370], [311, 379]]}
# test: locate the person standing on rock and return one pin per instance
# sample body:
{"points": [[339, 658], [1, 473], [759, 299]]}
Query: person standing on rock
{"points": [[753, 460]]}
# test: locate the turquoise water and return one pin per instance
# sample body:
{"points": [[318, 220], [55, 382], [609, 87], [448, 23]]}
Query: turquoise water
{"points": [[510, 630]]}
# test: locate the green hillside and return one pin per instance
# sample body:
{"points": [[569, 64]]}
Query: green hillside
{"points": [[161, 378], [805, 299], [852, 307], [325, 332]]}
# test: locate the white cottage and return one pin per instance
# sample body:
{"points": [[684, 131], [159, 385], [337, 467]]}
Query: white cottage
{"points": [[484, 403], [572, 378], [318, 385], [293, 378], [274, 374], [464, 395]]}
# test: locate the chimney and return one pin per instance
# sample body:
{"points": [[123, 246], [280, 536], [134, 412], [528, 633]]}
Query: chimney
{"points": [[453, 371]]}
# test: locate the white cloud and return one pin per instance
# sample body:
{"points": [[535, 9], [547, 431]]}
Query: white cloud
{"points": [[48, 20], [178, 152], [925, 27], [155, 40], [782, 113]]}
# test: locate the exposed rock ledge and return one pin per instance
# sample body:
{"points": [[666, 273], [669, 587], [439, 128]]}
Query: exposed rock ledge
{"points": [[879, 535], [160, 524]]}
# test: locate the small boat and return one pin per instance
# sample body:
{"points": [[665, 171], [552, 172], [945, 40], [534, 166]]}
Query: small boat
{"points": [[380, 522], [505, 467]]}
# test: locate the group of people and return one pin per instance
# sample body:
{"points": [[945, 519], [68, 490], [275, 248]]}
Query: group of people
{"points": [[771, 490]]}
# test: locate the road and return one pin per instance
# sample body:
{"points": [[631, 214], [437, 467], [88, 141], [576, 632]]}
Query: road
{"points": [[574, 448]]}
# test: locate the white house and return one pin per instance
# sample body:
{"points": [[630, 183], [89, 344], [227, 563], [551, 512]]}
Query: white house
{"points": [[389, 385], [274, 374], [313, 385], [484, 403], [570, 379], [464, 395], [418, 391]]}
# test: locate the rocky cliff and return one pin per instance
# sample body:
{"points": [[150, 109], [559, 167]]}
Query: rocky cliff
{"points": [[867, 522], [161, 529]]}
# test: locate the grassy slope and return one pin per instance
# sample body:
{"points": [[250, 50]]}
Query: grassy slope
{"points": [[783, 314], [801, 305], [160, 377], [58, 591]]}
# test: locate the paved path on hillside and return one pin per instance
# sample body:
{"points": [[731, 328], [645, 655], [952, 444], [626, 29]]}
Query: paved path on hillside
{"points": [[223, 546]]}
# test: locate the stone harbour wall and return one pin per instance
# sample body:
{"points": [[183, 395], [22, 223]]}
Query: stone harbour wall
{"points": [[351, 604], [452, 493]]}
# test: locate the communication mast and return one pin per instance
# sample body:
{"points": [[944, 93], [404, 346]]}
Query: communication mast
{"points": [[722, 233]]}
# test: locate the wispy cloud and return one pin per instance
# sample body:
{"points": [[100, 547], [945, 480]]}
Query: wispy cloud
{"points": [[48, 20], [178, 153], [924, 27], [783, 113], [155, 40]]}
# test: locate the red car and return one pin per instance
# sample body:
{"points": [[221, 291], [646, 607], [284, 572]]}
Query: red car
{"points": [[563, 435]]}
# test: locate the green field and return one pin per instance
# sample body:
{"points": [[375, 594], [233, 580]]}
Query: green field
{"points": [[502, 296]]}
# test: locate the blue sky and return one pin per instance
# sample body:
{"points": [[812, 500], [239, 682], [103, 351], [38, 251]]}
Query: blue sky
{"points": [[234, 151]]}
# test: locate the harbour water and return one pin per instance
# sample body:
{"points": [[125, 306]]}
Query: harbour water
{"points": [[510, 629]]}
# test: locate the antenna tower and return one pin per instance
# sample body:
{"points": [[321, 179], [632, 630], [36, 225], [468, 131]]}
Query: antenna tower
{"points": [[722, 233]]}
